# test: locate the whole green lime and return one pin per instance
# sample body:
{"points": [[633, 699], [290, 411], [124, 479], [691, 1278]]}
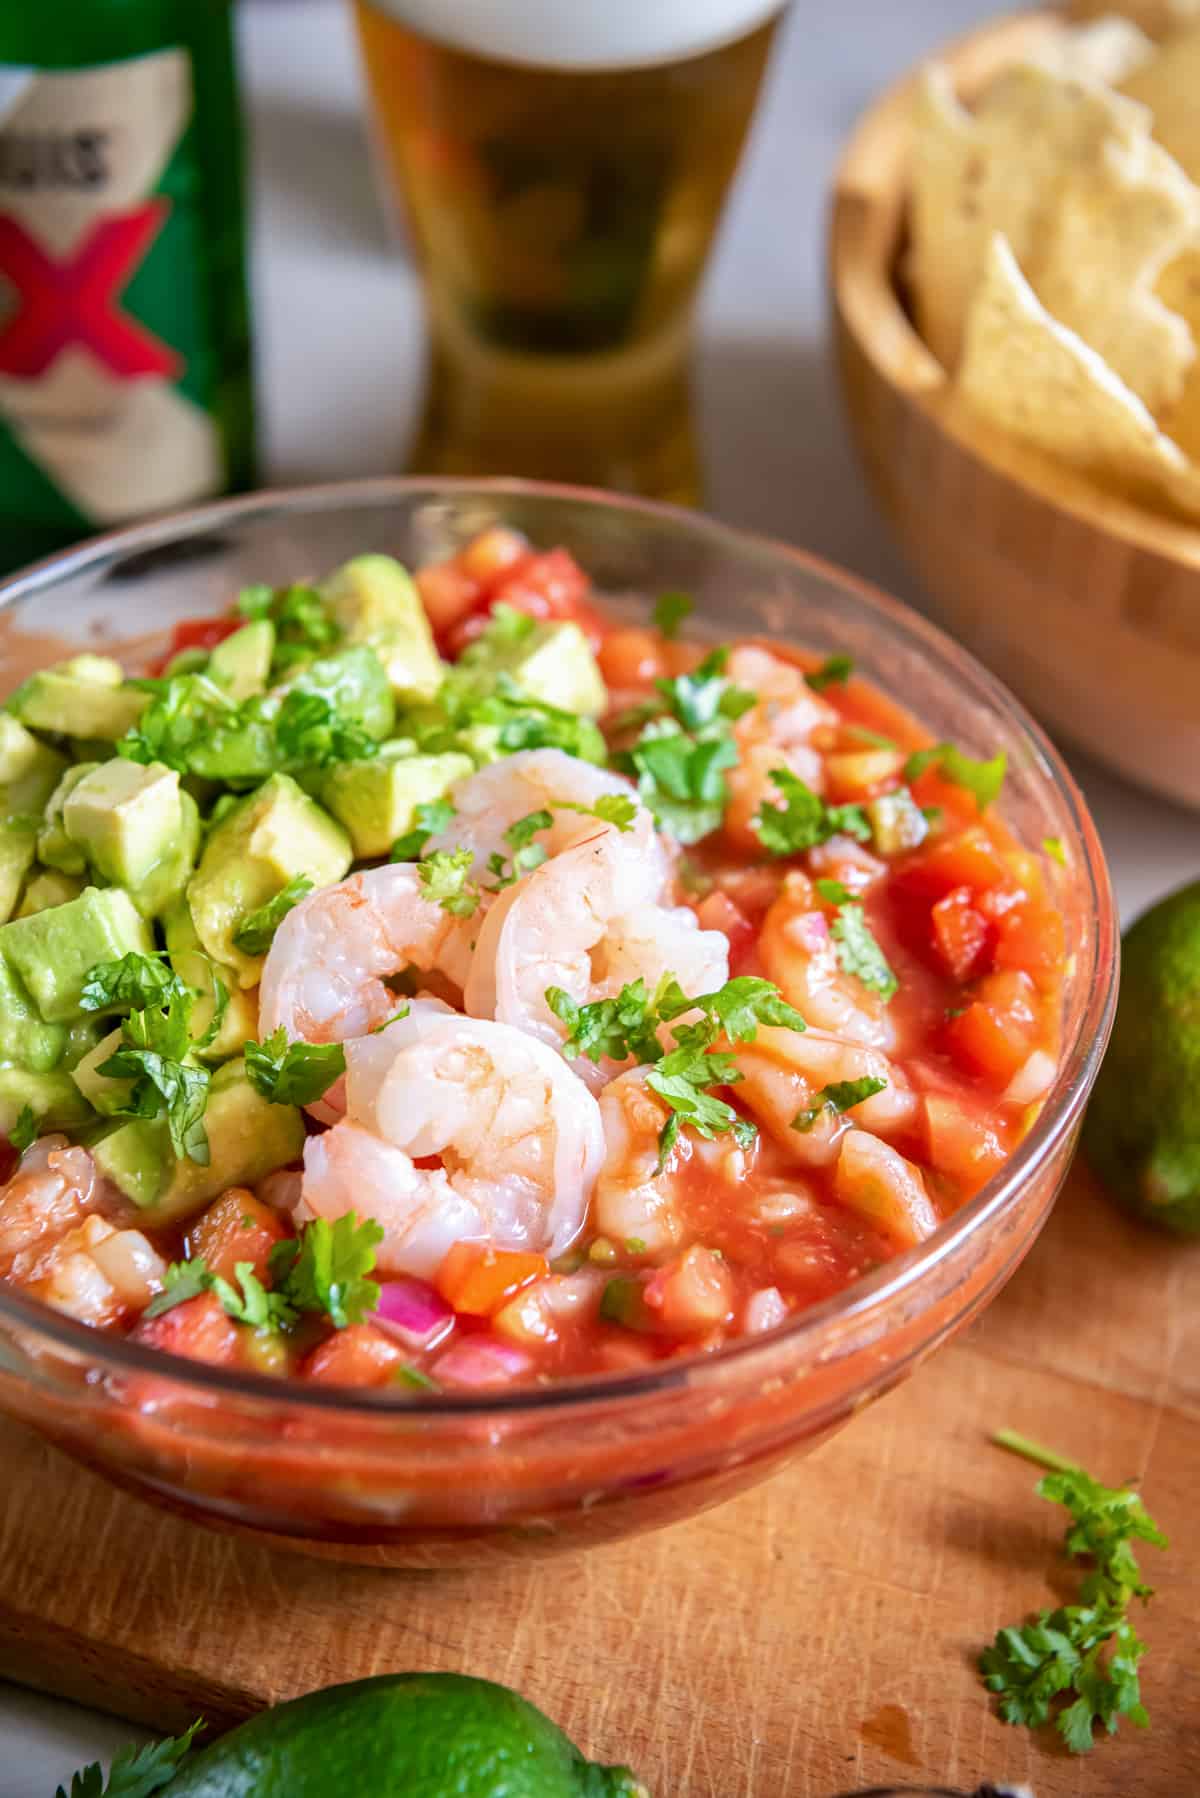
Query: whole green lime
{"points": [[1142, 1129], [403, 1735]]}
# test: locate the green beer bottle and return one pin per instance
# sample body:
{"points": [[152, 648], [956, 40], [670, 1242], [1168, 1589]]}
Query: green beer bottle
{"points": [[125, 379]]}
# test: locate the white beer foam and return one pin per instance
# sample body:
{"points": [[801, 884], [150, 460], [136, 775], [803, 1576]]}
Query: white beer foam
{"points": [[582, 34]]}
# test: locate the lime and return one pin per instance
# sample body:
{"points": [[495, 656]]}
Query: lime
{"points": [[403, 1735], [1142, 1130]]}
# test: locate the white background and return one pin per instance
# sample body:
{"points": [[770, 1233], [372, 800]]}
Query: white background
{"points": [[340, 357]]}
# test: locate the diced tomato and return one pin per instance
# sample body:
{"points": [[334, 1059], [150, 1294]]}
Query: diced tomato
{"points": [[236, 1227], [359, 1356], [996, 1030], [197, 633], [961, 933], [961, 1143], [494, 556], [970, 859], [9, 1157], [718, 912], [632, 658], [861, 773], [547, 586], [477, 1279], [447, 595], [1030, 937], [694, 1293], [199, 1329]]}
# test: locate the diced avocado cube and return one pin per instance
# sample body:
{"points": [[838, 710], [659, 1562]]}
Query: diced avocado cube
{"points": [[137, 828], [242, 663], [124, 817], [261, 843], [376, 799], [193, 966], [29, 770], [550, 662], [54, 1100], [82, 1037], [18, 847], [248, 1138], [103, 1092], [85, 697], [354, 682], [54, 847], [53, 951], [374, 600], [24, 1039], [188, 661], [47, 887]]}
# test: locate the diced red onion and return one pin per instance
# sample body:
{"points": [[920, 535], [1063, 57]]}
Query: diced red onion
{"points": [[1033, 1078], [480, 1361], [765, 1309], [413, 1312]]}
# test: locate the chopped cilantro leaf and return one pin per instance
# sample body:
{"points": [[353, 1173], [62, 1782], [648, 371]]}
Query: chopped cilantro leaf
{"points": [[505, 629], [220, 999], [834, 670], [443, 879], [154, 1043], [835, 892], [397, 1017], [670, 610], [416, 1376], [983, 779], [526, 854], [135, 1772], [183, 1280], [1054, 848], [609, 1029], [430, 818], [837, 1097], [859, 953], [293, 1073], [312, 732], [682, 779], [132, 983], [255, 602], [24, 1132], [256, 931], [324, 1269], [804, 819], [184, 712], [611, 808], [249, 1302], [699, 699], [737, 1008]]}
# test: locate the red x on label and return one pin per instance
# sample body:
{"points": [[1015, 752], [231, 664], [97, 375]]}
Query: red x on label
{"points": [[75, 300]]}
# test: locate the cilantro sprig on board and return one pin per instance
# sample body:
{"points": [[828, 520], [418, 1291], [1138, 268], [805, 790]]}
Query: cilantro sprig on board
{"points": [[135, 1772]]}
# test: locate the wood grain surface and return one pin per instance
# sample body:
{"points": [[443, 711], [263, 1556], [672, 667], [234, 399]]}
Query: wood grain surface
{"points": [[816, 1634]]}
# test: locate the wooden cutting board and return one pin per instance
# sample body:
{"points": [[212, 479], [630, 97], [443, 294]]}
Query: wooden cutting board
{"points": [[814, 1635]]}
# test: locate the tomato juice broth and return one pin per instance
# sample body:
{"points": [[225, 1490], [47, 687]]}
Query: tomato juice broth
{"points": [[966, 923]]}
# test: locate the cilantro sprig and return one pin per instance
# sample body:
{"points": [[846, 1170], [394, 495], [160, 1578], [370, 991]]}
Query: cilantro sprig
{"points": [[153, 1056], [804, 820], [1088, 1652], [685, 746], [325, 1268], [683, 1076], [834, 671], [287, 1073], [839, 1096], [858, 952], [24, 1132], [444, 878], [983, 779], [256, 932], [134, 982], [670, 610], [135, 1772], [429, 818]]}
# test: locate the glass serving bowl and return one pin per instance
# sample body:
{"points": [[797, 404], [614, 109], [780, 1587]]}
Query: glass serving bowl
{"points": [[411, 1480]]}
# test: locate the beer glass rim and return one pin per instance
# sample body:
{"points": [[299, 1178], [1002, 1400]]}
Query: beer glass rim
{"points": [[875, 1297]]}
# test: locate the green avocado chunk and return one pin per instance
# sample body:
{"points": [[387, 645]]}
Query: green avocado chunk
{"points": [[550, 662], [374, 600], [355, 683], [261, 843], [242, 663], [102, 1092], [85, 697], [136, 828], [54, 1100], [29, 770], [248, 1138], [55, 848], [407, 1735], [24, 1038], [18, 849], [198, 970], [46, 887], [53, 952], [376, 799]]}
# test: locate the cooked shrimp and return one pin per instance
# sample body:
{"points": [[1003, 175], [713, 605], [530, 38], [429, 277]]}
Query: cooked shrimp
{"points": [[98, 1274], [876, 1181], [800, 956], [52, 1191], [324, 979], [784, 1070], [633, 1200], [776, 733], [519, 1137], [588, 920], [490, 801]]}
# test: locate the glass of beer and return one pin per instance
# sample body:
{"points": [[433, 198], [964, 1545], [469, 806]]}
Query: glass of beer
{"points": [[562, 165]]}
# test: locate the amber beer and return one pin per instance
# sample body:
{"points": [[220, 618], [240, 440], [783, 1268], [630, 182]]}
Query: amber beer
{"points": [[562, 166]]}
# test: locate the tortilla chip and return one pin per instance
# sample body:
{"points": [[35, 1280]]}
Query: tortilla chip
{"points": [[1115, 227], [1029, 376], [1179, 288], [1001, 169], [1107, 50], [1157, 18], [1170, 86]]}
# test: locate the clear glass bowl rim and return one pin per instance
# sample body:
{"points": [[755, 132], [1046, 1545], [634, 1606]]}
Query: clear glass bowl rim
{"points": [[872, 1293]]}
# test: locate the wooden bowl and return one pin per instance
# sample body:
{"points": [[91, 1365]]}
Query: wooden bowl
{"points": [[1087, 605]]}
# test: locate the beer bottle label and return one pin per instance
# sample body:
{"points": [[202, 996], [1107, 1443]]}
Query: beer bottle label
{"points": [[104, 376]]}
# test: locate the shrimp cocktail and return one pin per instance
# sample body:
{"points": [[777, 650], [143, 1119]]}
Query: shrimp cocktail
{"points": [[461, 982]]}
